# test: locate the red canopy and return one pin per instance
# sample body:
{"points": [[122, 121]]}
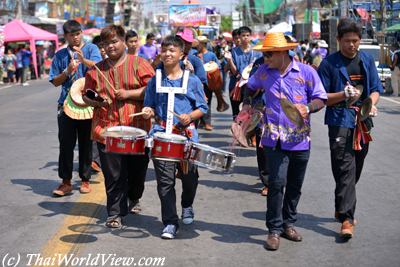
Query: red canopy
{"points": [[17, 31]]}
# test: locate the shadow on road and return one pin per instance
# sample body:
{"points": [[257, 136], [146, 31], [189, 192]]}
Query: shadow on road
{"points": [[305, 221], [232, 185], [86, 209], [42, 187]]}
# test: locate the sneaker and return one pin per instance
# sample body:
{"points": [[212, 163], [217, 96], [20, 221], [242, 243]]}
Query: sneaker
{"points": [[85, 187], [187, 215], [169, 232], [347, 229], [25, 84], [65, 188], [134, 206]]}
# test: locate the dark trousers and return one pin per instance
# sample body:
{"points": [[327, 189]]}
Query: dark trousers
{"points": [[124, 177], [69, 130], [262, 161], [165, 173], [346, 165], [207, 117], [287, 171], [95, 153], [235, 107]]}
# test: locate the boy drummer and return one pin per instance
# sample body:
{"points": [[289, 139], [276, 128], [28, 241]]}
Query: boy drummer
{"points": [[128, 74], [190, 107]]}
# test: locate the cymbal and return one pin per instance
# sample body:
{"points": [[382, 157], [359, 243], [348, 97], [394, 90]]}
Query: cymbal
{"points": [[365, 108], [292, 112]]}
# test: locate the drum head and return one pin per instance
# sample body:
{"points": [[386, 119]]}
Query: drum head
{"points": [[210, 66], [292, 112], [76, 92], [170, 137], [124, 132]]}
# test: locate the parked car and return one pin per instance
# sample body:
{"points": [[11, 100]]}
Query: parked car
{"points": [[375, 51]]}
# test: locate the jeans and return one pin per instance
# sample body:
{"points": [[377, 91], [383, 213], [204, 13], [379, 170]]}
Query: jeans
{"points": [[68, 131], [287, 171], [165, 173], [262, 161], [346, 165]]}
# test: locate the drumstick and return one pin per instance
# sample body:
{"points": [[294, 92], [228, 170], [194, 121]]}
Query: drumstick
{"points": [[175, 114], [105, 78], [137, 114]]}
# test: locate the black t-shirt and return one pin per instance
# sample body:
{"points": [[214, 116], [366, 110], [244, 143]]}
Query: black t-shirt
{"points": [[356, 74]]}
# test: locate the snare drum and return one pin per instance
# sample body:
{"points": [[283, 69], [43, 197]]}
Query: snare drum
{"points": [[125, 140], [211, 157], [168, 147]]}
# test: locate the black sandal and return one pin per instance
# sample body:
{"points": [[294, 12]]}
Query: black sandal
{"points": [[114, 222]]}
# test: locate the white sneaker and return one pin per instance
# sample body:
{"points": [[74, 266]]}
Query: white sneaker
{"points": [[25, 84], [169, 232], [187, 215]]}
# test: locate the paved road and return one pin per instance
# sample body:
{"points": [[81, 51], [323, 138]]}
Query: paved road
{"points": [[229, 228]]}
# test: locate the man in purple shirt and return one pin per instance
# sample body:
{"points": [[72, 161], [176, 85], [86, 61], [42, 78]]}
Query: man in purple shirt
{"points": [[149, 49], [285, 143]]}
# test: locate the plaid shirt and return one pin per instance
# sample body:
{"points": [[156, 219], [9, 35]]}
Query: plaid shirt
{"points": [[132, 74]]}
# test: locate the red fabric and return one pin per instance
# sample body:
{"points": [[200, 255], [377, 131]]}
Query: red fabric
{"points": [[360, 133], [181, 131]]}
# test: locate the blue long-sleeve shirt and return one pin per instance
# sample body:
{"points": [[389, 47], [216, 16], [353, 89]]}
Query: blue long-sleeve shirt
{"points": [[334, 77], [184, 103], [61, 61]]}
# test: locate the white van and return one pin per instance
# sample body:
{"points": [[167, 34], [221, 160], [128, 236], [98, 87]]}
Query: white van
{"points": [[375, 51]]}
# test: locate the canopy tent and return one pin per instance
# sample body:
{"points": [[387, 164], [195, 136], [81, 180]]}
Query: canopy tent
{"points": [[393, 28], [17, 31]]}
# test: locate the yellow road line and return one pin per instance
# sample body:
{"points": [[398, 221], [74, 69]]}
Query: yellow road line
{"points": [[79, 214]]}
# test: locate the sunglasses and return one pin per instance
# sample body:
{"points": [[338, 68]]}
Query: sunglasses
{"points": [[268, 54]]}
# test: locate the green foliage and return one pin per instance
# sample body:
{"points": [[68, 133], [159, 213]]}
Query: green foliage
{"points": [[226, 24]]}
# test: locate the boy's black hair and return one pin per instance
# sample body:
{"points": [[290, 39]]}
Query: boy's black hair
{"points": [[347, 25], [235, 32], [173, 40], [96, 40], [130, 34], [71, 26], [150, 35], [244, 29]]}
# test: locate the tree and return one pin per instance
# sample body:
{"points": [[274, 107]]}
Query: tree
{"points": [[226, 24]]}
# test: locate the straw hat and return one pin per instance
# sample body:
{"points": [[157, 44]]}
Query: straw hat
{"points": [[275, 41], [74, 106]]}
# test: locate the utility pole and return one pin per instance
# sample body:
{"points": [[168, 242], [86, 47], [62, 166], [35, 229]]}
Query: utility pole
{"points": [[18, 14]]}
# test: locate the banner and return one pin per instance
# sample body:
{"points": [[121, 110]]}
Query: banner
{"points": [[187, 15]]}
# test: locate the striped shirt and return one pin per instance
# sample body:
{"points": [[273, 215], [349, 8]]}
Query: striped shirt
{"points": [[131, 74]]}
